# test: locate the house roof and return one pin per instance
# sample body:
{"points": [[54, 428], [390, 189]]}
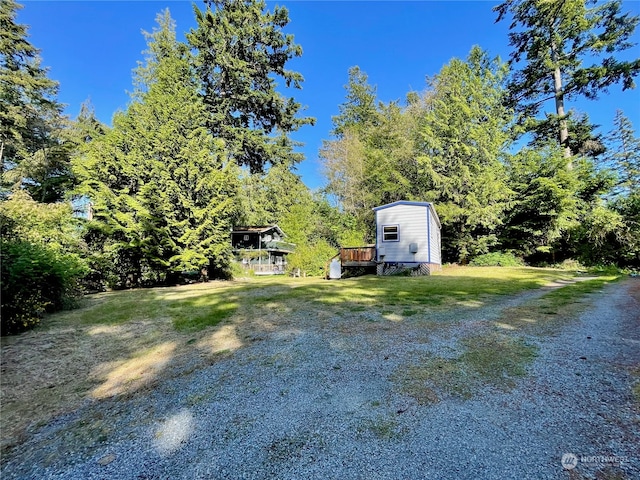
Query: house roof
{"points": [[415, 204], [257, 229]]}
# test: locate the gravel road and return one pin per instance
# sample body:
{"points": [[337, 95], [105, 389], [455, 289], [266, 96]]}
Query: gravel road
{"points": [[317, 400]]}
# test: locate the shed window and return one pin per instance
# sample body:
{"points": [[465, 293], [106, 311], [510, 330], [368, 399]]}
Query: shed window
{"points": [[390, 233], [246, 238]]}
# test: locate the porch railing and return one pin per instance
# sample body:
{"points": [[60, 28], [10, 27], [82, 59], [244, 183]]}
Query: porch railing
{"points": [[357, 254], [266, 268], [279, 245]]}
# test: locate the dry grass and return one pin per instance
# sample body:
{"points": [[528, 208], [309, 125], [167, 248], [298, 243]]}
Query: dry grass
{"points": [[382, 428], [491, 359], [114, 345], [122, 343], [546, 314]]}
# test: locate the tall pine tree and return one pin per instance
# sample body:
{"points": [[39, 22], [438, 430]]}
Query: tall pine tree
{"points": [[555, 43], [240, 51], [465, 130], [623, 155], [32, 154], [161, 186]]}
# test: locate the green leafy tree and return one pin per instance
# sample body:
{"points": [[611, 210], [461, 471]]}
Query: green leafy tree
{"points": [[546, 206], [40, 260], [371, 161], [312, 259], [391, 155], [336, 226], [240, 51], [555, 44], [345, 169], [32, 153], [583, 138], [50, 223], [266, 197], [84, 129], [627, 247], [464, 132], [162, 190], [345, 157], [359, 110], [306, 224]]}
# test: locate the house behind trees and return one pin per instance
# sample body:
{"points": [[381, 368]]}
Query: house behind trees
{"points": [[261, 249]]}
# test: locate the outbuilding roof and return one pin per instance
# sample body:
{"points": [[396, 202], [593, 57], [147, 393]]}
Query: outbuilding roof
{"points": [[415, 204]]}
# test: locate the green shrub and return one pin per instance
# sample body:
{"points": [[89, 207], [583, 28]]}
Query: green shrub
{"points": [[312, 259], [570, 264], [497, 259], [99, 273], [605, 270], [41, 267], [35, 279]]}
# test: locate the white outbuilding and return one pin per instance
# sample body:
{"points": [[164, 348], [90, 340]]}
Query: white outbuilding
{"points": [[407, 238]]}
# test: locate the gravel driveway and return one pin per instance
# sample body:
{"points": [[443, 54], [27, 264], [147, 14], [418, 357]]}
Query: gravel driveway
{"points": [[311, 399]]}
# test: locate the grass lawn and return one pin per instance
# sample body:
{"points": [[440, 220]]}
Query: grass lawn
{"points": [[122, 343]]}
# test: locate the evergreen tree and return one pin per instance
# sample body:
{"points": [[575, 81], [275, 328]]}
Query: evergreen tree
{"points": [[554, 43], [464, 132], [371, 161], [161, 188], [546, 205], [623, 155], [391, 156], [582, 139], [86, 127], [626, 251], [267, 197], [559, 213], [31, 123], [612, 233], [359, 111], [240, 49]]}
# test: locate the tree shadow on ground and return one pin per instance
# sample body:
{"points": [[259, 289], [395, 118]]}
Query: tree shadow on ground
{"points": [[123, 343]]}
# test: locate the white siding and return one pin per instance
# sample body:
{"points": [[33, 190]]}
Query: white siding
{"points": [[434, 238], [412, 223]]}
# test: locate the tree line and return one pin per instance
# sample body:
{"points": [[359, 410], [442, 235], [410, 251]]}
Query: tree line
{"points": [[204, 144]]}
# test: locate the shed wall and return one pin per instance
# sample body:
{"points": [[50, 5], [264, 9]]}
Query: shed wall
{"points": [[434, 239], [412, 221]]}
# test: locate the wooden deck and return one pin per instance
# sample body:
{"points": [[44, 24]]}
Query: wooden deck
{"points": [[358, 256]]}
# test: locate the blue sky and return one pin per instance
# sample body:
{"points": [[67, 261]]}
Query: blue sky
{"points": [[91, 48]]}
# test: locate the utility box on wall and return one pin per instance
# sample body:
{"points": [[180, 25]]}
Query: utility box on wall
{"points": [[407, 238]]}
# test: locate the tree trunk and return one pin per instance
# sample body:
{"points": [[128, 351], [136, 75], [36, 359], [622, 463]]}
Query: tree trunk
{"points": [[559, 95], [564, 131]]}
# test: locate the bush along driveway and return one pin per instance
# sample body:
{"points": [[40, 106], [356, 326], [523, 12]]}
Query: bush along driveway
{"points": [[361, 380]]}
